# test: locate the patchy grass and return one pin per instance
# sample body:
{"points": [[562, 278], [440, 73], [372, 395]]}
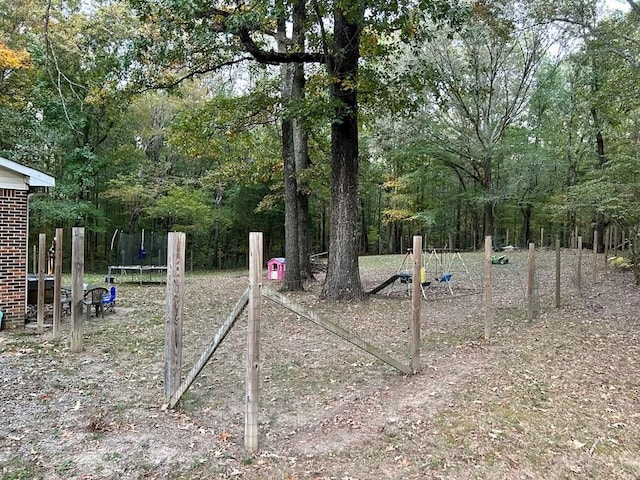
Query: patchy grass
{"points": [[554, 398]]}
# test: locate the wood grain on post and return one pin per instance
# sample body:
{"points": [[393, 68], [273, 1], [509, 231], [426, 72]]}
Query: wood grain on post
{"points": [[77, 290], [42, 266], [488, 301], [531, 276], [579, 269], [416, 292], [594, 263], [253, 342], [557, 273], [57, 286], [175, 313]]}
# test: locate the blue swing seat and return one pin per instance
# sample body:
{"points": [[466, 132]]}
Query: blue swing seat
{"points": [[445, 278]]}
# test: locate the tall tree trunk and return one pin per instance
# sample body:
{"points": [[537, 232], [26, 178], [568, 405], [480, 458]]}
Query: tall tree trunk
{"points": [[301, 157], [292, 279], [343, 275], [296, 160], [302, 163], [600, 222]]}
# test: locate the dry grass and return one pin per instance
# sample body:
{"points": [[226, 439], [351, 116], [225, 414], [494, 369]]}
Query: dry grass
{"points": [[555, 398]]}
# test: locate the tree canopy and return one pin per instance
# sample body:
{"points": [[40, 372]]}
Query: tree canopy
{"points": [[450, 120]]}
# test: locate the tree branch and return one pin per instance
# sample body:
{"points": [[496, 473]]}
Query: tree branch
{"points": [[271, 57]]}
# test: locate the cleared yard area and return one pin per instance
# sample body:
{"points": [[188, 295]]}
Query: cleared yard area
{"points": [[555, 398]]}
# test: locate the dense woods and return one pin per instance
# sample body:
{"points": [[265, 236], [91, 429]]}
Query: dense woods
{"points": [[351, 125]]}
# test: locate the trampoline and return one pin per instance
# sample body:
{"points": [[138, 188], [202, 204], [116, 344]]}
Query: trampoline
{"points": [[140, 257]]}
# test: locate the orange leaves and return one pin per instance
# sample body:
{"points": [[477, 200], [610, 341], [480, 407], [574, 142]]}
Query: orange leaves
{"points": [[12, 59]]}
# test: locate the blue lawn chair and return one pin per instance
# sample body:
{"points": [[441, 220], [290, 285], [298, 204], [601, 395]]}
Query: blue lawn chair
{"points": [[109, 300]]}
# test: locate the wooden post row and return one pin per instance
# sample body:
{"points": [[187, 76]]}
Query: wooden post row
{"points": [[594, 266], [42, 265], [57, 285], [415, 303], [77, 290], [579, 269], [175, 313], [488, 302], [557, 273], [531, 276], [253, 342]]}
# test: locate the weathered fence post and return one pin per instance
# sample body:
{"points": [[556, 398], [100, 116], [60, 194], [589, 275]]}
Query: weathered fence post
{"points": [[579, 269], [77, 290], [57, 285], [594, 266], [607, 249], [557, 273], [175, 312], [488, 302], [531, 275], [253, 342], [416, 293], [42, 265]]}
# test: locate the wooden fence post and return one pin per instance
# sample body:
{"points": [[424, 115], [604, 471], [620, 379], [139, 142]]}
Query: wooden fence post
{"points": [[253, 342], [416, 294], [579, 270], [594, 266], [77, 290], [531, 275], [175, 313], [42, 266], [607, 249], [57, 285], [557, 273], [488, 301]]}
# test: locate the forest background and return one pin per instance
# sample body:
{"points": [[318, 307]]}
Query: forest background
{"points": [[473, 118]]}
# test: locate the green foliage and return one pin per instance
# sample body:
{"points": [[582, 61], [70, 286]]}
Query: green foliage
{"points": [[182, 209], [204, 155]]}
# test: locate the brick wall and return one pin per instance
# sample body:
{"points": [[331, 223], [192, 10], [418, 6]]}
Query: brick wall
{"points": [[13, 256]]}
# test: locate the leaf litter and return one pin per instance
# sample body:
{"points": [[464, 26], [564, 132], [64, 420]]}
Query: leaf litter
{"points": [[557, 397]]}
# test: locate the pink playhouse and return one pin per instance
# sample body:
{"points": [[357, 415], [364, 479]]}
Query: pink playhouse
{"points": [[276, 268]]}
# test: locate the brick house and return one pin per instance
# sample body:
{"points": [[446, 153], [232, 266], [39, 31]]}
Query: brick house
{"points": [[17, 183]]}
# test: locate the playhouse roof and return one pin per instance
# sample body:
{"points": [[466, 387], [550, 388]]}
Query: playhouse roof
{"points": [[16, 176], [278, 260]]}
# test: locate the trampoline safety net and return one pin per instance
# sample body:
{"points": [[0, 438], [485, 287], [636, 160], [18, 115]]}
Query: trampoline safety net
{"points": [[144, 248]]}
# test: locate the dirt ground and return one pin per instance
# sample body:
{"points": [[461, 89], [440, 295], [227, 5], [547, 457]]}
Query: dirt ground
{"points": [[554, 398]]}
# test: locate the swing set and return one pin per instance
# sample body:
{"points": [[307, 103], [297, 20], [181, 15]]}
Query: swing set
{"points": [[440, 267]]}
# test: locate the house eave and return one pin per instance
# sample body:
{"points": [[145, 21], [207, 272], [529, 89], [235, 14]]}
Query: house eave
{"points": [[32, 177]]}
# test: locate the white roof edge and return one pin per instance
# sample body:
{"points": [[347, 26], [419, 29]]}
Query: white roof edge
{"points": [[35, 178]]}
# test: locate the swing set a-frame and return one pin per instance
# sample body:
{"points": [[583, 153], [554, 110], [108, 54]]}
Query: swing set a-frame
{"points": [[440, 268]]}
